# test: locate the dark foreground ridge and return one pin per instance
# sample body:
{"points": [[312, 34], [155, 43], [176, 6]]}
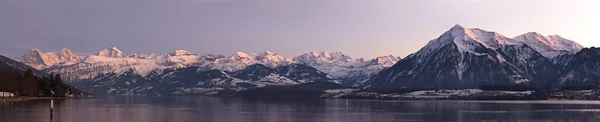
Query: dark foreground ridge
{"points": [[20, 81]]}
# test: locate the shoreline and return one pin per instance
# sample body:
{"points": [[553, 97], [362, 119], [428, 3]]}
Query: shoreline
{"points": [[16, 99]]}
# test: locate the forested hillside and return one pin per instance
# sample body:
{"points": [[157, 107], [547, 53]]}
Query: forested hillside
{"points": [[31, 83]]}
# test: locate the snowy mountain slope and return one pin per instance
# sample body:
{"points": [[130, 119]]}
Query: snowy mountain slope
{"points": [[198, 80], [343, 67], [554, 47], [260, 73], [241, 60], [335, 64], [112, 60], [466, 58], [384, 61], [93, 66], [304, 74]]}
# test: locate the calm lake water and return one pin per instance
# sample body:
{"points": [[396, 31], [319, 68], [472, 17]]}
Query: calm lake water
{"points": [[207, 109]]}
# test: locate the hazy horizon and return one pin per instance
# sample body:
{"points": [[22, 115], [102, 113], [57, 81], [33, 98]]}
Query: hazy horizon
{"points": [[364, 29]]}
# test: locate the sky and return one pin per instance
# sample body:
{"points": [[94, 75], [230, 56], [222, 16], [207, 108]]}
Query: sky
{"points": [[358, 28]]}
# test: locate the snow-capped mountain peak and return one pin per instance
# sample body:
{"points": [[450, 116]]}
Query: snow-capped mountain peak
{"points": [[386, 61], [324, 57], [549, 46], [141, 55], [181, 52], [112, 52], [465, 38], [339, 65], [179, 58], [566, 44], [242, 56], [387, 58], [472, 40], [34, 52], [68, 56], [360, 60], [265, 56], [269, 53], [66, 51], [241, 60], [458, 27], [40, 60], [270, 56], [115, 48], [35, 58]]}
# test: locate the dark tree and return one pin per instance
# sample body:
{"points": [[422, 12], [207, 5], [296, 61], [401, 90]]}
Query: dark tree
{"points": [[45, 86], [29, 85], [58, 87], [9, 80]]}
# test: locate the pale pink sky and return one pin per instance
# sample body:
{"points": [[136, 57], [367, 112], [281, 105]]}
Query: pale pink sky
{"points": [[359, 28]]}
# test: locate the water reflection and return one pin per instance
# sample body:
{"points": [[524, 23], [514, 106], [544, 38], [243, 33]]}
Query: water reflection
{"points": [[206, 109]]}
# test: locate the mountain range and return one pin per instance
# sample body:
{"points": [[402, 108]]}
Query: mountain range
{"points": [[110, 68], [460, 58]]}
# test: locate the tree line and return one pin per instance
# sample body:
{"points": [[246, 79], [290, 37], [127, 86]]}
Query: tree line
{"points": [[27, 84]]}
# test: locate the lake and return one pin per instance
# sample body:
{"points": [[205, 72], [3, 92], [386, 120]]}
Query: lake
{"points": [[209, 109]]}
